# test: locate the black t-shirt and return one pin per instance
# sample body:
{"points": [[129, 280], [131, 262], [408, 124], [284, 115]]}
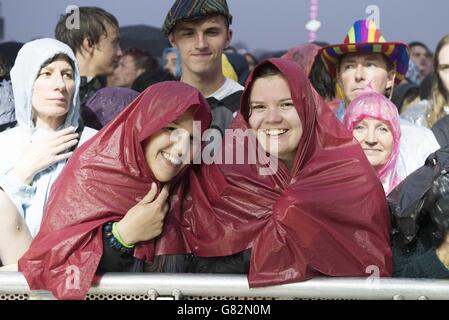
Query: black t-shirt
{"points": [[87, 90]]}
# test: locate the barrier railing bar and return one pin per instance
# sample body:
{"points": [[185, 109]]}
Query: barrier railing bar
{"points": [[237, 286]]}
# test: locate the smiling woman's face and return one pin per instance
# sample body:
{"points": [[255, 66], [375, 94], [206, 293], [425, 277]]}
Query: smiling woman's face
{"points": [[170, 149], [376, 139], [274, 117]]}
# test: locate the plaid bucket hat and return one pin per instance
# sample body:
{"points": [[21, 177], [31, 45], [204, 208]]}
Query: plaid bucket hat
{"points": [[194, 9], [365, 37]]}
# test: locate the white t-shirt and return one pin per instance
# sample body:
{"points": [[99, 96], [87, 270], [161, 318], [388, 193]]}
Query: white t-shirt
{"points": [[228, 88]]}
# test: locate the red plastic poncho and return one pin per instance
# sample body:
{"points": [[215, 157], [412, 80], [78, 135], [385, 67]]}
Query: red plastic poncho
{"points": [[304, 55], [327, 217], [104, 178]]}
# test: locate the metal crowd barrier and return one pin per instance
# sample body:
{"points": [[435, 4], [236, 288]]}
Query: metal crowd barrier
{"points": [[127, 286]]}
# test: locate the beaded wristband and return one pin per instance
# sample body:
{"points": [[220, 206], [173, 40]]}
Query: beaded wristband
{"points": [[113, 241]]}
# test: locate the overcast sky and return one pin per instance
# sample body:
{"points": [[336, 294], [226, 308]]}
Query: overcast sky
{"points": [[260, 24]]}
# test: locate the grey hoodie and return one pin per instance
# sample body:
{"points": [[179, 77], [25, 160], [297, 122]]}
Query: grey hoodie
{"points": [[30, 199], [26, 68]]}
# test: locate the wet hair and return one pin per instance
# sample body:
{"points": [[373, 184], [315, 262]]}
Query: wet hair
{"points": [[267, 70], [321, 81], [420, 44], [404, 94], [151, 77], [8, 52], [142, 59], [93, 22]]}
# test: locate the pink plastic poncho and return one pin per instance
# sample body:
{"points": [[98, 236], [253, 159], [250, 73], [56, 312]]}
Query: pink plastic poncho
{"points": [[303, 55], [371, 104]]}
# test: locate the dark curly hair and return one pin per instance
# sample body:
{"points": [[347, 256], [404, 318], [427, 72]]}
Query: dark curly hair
{"points": [[3, 71]]}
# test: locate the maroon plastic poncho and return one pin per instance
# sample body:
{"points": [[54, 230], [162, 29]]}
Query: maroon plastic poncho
{"points": [[327, 217], [304, 55], [103, 179]]}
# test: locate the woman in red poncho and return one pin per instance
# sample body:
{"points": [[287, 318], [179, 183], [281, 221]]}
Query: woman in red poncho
{"points": [[321, 212], [107, 195]]}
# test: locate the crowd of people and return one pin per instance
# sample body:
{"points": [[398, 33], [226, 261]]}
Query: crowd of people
{"points": [[344, 155]]}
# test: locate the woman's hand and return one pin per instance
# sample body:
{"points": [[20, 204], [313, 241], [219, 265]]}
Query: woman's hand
{"points": [[42, 154], [145, 220]]}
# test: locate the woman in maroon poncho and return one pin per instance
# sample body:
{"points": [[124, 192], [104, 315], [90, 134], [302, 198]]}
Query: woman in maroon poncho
{"points": [[322, 211], [108, 179]]}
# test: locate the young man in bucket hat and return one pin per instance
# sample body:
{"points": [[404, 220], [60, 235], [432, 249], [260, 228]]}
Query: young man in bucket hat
{"points": [[366, 59], [200, 31]]}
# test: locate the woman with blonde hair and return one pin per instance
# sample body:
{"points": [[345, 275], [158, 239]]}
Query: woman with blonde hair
{"points": [[428, 112]]}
